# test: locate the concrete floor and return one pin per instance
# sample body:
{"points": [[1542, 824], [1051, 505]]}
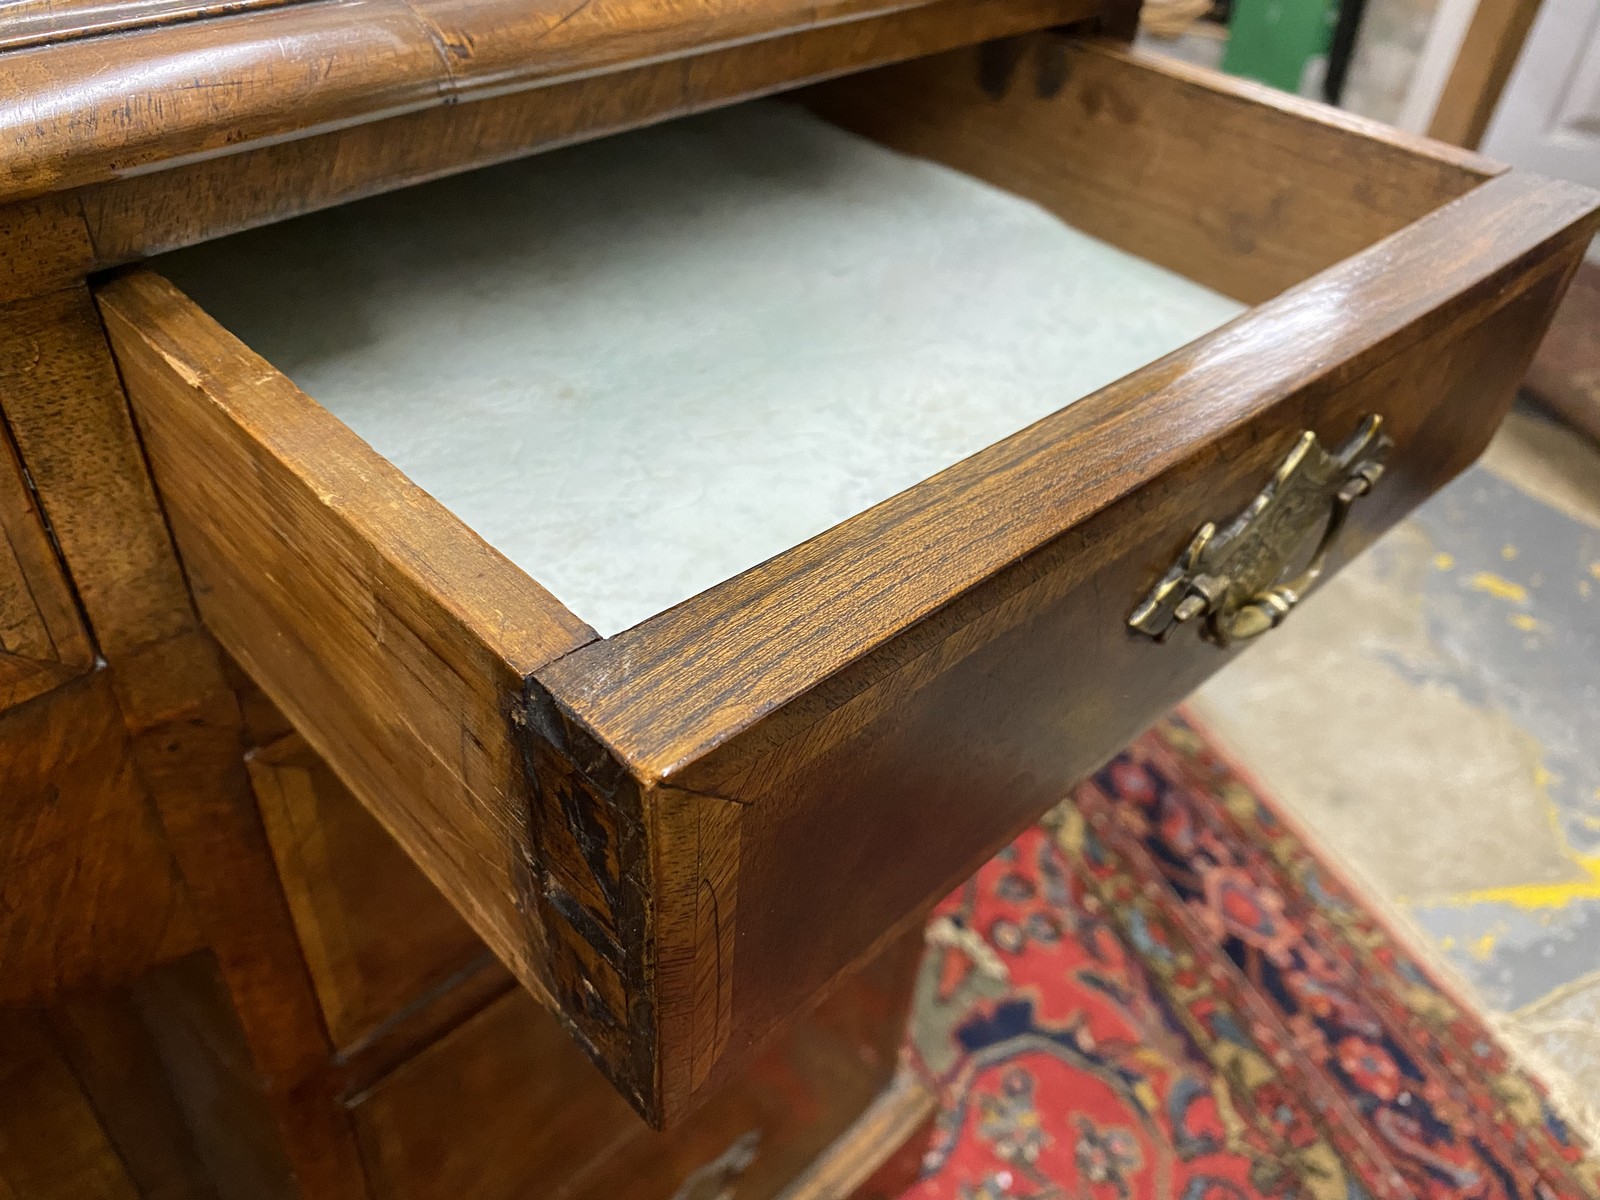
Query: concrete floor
{"points": [[1433, 714]]}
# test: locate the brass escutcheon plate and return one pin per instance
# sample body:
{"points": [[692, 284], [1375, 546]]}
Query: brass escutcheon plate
{"points": [[1242, 579]]}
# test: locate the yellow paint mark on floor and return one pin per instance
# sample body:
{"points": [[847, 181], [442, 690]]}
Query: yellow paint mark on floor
{"points": [[1444, 561], [1508, 552], [1524, 622], [1533, 897], [1500, 588], [1594, 569], [1447, 942], [1481, 948], [1585, 589]]}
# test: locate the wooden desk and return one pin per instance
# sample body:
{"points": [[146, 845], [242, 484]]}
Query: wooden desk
{"points": [[337, 849]]}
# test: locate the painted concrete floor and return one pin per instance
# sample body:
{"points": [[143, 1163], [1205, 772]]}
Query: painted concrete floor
{"points": [[1433, 713]]}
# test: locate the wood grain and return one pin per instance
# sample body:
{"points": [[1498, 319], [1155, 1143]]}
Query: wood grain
{"points": [[51, 1145], [118, 1067], [393, 638], [1001, 588], [377, 935], [189, 746], [65, 406], [880, 1156], [93, 109], [222, 1097], [43, 642], [44, 247], [88, 892], [1238, 186], [66, 409], [620, 819], [1483, 65], [36, 22], [133, 217], [529, 1112], [526, 1109], [671, 693]]}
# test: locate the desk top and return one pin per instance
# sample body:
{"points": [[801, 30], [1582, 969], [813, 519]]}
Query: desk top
{"points": [[96, 90]]}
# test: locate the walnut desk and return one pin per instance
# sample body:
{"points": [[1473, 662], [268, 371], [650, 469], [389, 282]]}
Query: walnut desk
{"points": [[338, 855]]}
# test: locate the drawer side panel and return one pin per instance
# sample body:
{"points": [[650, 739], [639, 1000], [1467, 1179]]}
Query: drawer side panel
{"points": [[1235, 185], [391, 637]]}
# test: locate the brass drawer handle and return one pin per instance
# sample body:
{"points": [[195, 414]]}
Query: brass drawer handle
{"points": [[1245, 578]]}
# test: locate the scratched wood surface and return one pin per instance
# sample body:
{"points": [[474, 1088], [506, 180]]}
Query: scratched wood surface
{"points": [[37, 22], [654, 879], [90, 109]]}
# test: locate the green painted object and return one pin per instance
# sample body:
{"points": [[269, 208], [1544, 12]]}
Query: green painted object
{"points": [[1272, 40]]}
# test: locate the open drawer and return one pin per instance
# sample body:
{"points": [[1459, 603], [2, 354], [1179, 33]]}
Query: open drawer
{"points": [[678, 835]]}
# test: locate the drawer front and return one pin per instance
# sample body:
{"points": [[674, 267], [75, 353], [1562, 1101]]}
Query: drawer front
{"points": [[678, 837], [376, 935], [42, 639]]}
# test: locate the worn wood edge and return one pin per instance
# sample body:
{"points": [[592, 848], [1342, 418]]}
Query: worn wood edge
{"points": [[611, 686], [217, 85], [591, 883], [112, 223], [514, 618], [901, 1114], [636, 888]]}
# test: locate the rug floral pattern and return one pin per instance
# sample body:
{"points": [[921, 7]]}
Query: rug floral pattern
{"points": [[1160, 993]]}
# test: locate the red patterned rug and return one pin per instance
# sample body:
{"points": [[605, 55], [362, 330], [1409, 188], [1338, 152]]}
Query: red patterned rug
{"points": [[1160, 992]]}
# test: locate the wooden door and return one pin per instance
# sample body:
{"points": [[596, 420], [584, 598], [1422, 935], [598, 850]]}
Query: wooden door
{"points": [[1549, 116]]}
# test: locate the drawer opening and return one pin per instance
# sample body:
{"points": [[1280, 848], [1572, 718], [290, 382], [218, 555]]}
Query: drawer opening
{"points": [[642, 365]]}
